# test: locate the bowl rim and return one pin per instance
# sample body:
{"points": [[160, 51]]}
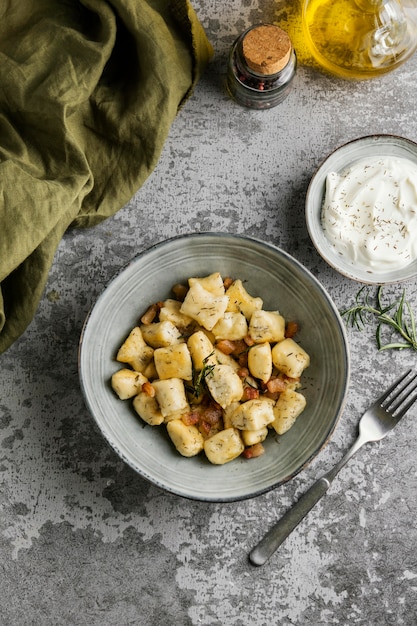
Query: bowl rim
{"points": [[313, 213], [346, 365]]}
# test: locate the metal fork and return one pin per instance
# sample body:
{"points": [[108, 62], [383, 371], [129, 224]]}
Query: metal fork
{"points": [[376, 422]]}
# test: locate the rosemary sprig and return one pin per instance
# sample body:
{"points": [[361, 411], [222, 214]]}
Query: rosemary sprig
{"points": [[397, 315], [199, 378]]}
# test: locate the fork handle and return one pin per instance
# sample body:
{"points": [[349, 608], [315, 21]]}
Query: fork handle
{"points": [[290, 520], [280, 531]]}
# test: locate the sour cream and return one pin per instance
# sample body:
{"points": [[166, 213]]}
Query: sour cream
{"points": [[369, 213]]}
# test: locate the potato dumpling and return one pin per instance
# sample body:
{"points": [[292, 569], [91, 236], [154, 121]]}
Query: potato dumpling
{"points": [[187, 439], [290, 358], [267, 326], [224, 446], [160, 334], [288, 407], [240, 300], [253, 414], [173, 362], [150, 371], [231, 326], [148, 409], [201, 350], [127, 383], [260, 361], [204, 307], [252, 437], [135, 351], [224, 385], [227, 414], [170, 312], [212, 283], [170, 395]]}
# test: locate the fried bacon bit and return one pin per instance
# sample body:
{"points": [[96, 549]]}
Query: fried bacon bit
{"points": [[243, 372], [249, 393], [205, 427], [271, 396], [149, 389], [191, 419], [150, 314], [240, 347], [291, 329], [179, 291], [226, 346], [235, 347], [204, 416], [253, 451], [212, 414], [248, 341], [240, 352], [227, 282], [242, 359], [276, 385]]}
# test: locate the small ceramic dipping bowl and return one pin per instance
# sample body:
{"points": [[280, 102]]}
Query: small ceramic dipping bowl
{"points": [[338, 161]]}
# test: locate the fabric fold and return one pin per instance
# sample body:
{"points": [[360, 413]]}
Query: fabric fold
{"points": [[88, 92]]}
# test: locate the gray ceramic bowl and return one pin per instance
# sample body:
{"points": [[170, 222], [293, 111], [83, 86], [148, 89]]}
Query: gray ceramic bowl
{"points": [[371, 146], [283, 284]]}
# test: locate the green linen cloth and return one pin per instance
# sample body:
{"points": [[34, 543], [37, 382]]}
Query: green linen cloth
{"points": [[88, 91]]}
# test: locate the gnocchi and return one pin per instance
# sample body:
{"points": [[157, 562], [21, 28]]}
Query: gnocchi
{"points": [[215, 368]]}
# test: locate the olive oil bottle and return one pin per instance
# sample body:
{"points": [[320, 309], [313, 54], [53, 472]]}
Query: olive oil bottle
{"points": [[360, 38]]}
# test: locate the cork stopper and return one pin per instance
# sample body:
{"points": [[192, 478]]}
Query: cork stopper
{"points": [[266, 49]]}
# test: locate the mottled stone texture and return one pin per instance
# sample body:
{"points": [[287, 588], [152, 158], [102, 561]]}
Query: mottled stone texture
{"points": [[84, 541]]}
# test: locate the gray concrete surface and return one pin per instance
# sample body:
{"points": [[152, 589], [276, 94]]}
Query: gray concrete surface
{"points": [[84, 541]]}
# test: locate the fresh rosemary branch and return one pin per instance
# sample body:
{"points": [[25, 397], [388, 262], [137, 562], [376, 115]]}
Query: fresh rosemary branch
{"points": [[199, 378], [397, 315]]}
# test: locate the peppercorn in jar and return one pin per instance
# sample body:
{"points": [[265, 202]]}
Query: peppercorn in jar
{"points": [[261, 67]]}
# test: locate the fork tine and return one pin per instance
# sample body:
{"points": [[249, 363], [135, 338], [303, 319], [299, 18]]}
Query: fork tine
{"points": [[400, 390], [405, 408], [400, 396], [394, 386], [395, 402]]}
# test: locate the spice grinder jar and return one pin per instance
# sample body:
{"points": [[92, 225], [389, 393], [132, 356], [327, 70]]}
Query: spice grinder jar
{"points": [[261, 67]]}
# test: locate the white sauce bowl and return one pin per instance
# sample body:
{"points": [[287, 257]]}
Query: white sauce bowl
{"points": [[339, 160]]}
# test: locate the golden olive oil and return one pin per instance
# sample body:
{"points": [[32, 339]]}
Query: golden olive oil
{"points": [[356, 38]]}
